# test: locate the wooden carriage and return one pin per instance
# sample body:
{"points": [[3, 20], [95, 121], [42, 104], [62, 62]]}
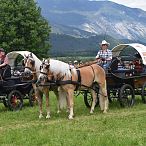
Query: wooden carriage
{"points": [[13, 86], [125, 79]]}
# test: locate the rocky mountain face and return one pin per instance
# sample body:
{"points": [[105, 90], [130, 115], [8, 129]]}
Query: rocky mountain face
{"points": [[84, 18]]}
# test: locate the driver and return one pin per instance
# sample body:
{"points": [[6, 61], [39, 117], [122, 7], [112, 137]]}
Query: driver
{"points": [[104, 55], [3, 60]]}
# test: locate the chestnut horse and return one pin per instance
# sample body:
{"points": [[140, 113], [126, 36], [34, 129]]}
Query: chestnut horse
{"points": [[32, 67], [69, 77]]}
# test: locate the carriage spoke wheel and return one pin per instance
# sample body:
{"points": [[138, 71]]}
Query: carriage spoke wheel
{"points": [[15, 100], [143, 95], [88, 99], [32, 98], [77, 93], [126, 96]]}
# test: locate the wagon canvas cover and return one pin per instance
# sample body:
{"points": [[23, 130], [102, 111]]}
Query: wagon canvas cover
{"points": [[13, 55], [141, 49]]}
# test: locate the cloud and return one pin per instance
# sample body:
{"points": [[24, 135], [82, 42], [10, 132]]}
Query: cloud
{"points": [[132, 3]]}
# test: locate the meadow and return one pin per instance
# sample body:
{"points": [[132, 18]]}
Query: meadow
{"points": [[119, 127]]}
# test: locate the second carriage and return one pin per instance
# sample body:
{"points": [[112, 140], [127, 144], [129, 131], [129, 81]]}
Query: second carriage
{"points": [[126, 75], [15, 87]]}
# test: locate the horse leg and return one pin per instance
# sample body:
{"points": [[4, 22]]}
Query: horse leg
{"points": [[39, 97], [63, 100], [71, 103], [93, 102], [68, 104], [58, 104], [46, 92], [103, 98]]}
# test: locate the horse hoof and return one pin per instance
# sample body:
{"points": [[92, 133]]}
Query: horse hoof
{"points": [[70, 117], [48, 117], [104, 112], [58, 112], [91, 112], [40, 116]]}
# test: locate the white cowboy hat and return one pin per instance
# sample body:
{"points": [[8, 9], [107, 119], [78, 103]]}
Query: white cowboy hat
{"points": [[104, 42], [75, 61]]}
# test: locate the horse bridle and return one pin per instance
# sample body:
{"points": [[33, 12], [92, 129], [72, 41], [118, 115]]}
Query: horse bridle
{"points": [[47, 65], [33, 63]]}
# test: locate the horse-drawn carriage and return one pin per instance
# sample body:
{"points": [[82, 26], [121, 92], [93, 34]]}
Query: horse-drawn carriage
{"points": [[125, 78], [126, 75], [13, 86]]}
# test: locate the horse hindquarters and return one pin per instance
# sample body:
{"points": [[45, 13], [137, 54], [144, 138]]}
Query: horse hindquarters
{"points": [[100, 78]]}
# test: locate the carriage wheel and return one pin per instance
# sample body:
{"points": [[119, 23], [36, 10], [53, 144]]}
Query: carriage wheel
{"points": [[32, 98], [143, 95], [77, 93], [126, 96], [15, 100], [109, 96], [88, 99]]}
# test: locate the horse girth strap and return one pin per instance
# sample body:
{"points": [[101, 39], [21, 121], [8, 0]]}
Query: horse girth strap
{"points": [[93, 73], [79, 79]]}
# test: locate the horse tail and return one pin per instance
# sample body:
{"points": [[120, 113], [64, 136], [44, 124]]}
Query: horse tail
{"points": [[62, 98]]}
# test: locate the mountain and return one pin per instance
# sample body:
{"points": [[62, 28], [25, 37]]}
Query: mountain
{"points": [[65, 45], [84, 18]]}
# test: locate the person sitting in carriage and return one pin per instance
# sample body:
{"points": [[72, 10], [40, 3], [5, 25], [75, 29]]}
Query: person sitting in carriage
{"points": [[138, 65], [104, 55], [3, 61]]}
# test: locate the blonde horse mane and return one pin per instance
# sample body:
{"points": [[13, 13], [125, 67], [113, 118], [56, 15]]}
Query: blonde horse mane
{"points": [[59, 67]]}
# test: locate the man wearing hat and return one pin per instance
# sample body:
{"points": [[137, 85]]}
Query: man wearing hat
{"points": [[104, 55], [3, 60]]}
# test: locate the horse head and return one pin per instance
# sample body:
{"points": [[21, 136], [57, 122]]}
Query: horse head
{"points": [[45, 73], [29, 64]]}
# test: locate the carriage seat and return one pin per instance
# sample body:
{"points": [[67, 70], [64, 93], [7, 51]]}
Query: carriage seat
{"points": [[117, 67], [114, 64]]}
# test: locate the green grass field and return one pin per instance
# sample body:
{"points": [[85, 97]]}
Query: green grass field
{"points": [[119, 127]]}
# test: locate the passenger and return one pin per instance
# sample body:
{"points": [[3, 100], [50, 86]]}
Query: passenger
{"points": [[76, 64], [104, 55], [71, 65], [3, 60], [138, 65]]}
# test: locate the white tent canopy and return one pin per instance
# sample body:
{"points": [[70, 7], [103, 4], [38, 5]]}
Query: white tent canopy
{"points": [[141, 49], [13, 55]]}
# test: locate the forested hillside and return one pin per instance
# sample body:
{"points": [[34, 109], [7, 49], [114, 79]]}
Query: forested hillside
{"points": [[65, 45]]}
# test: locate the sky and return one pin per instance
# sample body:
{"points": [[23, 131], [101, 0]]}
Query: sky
{"points": [[132, 3]]}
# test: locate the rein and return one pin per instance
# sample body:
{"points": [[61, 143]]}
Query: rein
{"points": [[77, 83], [44, 73], [60, 82], [33, 71], [28, 68]]}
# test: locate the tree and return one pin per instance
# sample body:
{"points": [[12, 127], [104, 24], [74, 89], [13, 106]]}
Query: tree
{"points": [[22, 27]]}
